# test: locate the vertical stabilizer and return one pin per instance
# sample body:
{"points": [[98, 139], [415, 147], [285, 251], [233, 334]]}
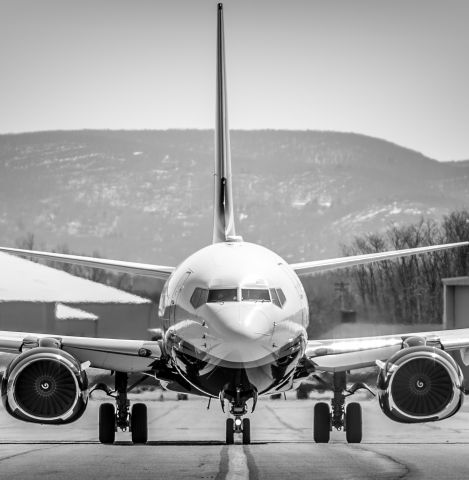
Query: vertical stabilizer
{"points": [[223, 215]]}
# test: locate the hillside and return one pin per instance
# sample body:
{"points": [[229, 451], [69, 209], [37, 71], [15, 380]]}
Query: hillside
{"points": [[146, 195]]}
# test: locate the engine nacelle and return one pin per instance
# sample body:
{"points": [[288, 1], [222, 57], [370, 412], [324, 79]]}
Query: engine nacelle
{"points": [[45, 385], [420, 384]]}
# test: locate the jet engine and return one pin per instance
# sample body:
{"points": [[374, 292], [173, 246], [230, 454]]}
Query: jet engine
{"points": [[45, 385], [420, 384]]}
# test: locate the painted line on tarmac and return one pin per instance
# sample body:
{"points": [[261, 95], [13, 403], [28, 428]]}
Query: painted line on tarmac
{"points": [[253, 471], [237, 464]]}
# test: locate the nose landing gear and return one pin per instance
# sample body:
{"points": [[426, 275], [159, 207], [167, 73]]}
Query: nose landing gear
{"points": [[238, 425]]}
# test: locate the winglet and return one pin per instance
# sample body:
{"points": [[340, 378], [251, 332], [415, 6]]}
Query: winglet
{"points": [[223, 215]]}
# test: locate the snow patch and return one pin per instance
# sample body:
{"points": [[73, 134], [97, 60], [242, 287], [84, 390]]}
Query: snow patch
{"points": [[370, 214], [64, 312], [73, 228], [23, 280]]}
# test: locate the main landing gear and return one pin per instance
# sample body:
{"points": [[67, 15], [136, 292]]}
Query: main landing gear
{"points": [[347, 418], [110, 418], [238, 425]]}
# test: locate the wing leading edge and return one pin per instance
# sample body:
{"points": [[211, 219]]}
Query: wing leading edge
{"points": [[335, 355], [110, 354], [157, 271], [306, 268]]}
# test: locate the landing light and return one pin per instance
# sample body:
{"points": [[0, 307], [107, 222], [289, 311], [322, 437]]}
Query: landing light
{"points": [[238, 422]]}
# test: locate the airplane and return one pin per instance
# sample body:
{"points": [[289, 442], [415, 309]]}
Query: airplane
{"points": [[234, 317]]}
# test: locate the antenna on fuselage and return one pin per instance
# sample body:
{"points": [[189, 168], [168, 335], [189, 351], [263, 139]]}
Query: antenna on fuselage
{"points": [[223, 215]]}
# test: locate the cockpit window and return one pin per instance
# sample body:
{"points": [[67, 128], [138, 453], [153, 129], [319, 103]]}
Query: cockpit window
{"points": [[199, 297], [278, 297], [254, 295], [281, 297], [274, 296], [223, 295]]}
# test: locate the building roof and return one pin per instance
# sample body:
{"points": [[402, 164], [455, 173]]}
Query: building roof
{"points": [[456, 281], [64, 312], [23, 280]]}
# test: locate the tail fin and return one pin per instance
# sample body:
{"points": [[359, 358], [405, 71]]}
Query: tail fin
{"points": [[223, 215]]}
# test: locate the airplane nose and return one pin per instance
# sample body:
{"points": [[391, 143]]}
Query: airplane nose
{"points": [[255, 324], [240, 333], [238, 322]]}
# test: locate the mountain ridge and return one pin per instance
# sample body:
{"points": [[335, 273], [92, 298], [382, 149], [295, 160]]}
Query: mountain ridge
{"points": [[145, 195]]}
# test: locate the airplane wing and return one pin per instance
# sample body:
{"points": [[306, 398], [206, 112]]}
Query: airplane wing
{"points": [[110, 354], [306, 268], [334, 355], [156, 271]]}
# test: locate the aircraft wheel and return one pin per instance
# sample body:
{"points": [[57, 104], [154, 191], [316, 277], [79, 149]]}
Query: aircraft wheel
{"points": [[182, 396], [322, 423], [246, 431], [229, 431], [107, 423], [138, 423], [353, 423]]}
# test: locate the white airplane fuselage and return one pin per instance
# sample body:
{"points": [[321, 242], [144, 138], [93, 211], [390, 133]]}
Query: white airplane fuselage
{"points": [[235, 316]]}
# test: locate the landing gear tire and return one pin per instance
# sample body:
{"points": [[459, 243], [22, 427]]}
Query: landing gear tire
{"points": [[107, 423], [353, 423], [322, 423], [246, 431], [138, 423], [229, 431], [182, 396]]}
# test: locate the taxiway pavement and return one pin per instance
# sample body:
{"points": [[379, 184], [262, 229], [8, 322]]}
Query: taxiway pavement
{"points": [[187, 441]]}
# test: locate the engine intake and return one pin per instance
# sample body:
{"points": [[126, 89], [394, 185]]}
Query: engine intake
{"points": [[45, 385], [420, 384]]}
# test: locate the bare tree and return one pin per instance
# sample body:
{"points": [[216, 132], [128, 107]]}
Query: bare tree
{"points": [[409, 289]]}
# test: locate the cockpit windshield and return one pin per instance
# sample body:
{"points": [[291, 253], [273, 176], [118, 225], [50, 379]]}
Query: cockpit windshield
{"points": [[255, 295], [200, 296], [223, 295]]}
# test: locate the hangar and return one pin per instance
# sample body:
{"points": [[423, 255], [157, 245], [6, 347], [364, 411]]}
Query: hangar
{"points": [[41, 299], [456, 302]]}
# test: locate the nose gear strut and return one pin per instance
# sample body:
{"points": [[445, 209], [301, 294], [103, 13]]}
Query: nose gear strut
{"points": [[238, 425]]}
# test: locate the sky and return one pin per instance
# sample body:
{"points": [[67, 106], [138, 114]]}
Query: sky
{"points": [[396, 70]]}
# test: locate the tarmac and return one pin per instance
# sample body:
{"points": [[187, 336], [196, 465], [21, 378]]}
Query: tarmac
{"points": [[187, 441]]}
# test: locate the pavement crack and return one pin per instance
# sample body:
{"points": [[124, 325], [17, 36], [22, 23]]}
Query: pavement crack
{"points": [[27, 452], [161, 415], [403, 469], [282, 421]]}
